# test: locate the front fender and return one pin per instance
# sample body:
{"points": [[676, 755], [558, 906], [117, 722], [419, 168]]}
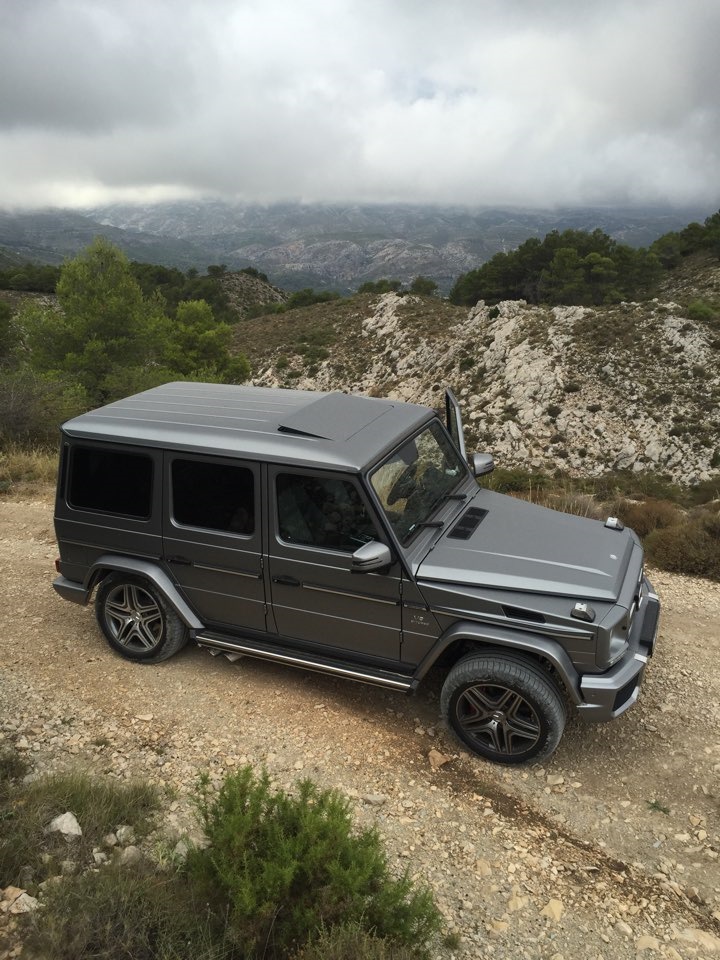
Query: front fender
{"points": [[501, 637]]}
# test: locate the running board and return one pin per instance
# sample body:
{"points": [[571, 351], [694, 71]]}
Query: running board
{"points": [[380, 678]]}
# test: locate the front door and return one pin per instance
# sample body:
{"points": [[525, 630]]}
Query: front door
{"points": [[212, 538], [317, 521]]}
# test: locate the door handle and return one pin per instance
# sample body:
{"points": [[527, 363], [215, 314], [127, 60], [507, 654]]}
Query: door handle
{"points": [[286, 581], [184, 561]]}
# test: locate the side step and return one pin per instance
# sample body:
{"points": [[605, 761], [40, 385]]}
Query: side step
{"points": [[217, 643]]}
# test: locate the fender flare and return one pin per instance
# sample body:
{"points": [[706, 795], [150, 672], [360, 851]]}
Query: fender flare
{"points": [[150, 571], [515, 640]]}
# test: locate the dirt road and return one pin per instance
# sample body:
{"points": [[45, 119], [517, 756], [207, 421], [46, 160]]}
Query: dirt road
{"points": [[609, 850]]}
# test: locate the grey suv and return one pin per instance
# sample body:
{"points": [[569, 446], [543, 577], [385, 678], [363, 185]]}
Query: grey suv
{"points": [[349, 535]]}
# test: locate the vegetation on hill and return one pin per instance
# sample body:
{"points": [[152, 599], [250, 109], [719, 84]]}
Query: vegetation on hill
{"points": [[35, 277], [580, 268], [306, 297], [695, 238], [106, 339], [572, 267]]}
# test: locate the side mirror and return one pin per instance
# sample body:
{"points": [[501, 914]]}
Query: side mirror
{"points": [[371, 556], [481, 463]]}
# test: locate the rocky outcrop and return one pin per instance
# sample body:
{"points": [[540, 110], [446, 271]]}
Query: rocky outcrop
{"points": [[632, 386], [245, 290]]}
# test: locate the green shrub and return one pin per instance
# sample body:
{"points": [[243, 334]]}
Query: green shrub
{"points": [[281, 868], [690, 548], [708, 489], [12, 767], [647, 515], [515, 481], [701, 311], [638, 486]]}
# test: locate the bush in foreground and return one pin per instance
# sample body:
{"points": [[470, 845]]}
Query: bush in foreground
{"points": [[281, 868], [284, 876]]}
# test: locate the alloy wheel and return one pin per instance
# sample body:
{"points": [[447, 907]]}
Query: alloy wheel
{"points": [[498, 718], [133, 617]]}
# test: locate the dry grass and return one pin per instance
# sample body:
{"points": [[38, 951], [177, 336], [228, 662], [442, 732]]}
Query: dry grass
{"points": [[27, 468]]}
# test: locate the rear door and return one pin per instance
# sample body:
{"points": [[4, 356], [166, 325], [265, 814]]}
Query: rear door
{"points": [[317, 520], [212, 538]]}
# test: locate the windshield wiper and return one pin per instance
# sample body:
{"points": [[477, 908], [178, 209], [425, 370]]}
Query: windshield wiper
{"points": [[436, 524], [454, 496]]}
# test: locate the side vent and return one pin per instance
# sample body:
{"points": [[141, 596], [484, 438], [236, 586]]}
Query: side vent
{"points": [[467, 524], [517, 613]]}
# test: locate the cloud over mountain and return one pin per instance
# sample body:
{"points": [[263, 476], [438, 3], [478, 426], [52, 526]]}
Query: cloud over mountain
{"points": [[458, 102]]}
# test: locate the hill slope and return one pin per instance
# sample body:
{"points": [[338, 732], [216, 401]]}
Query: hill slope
{"points": [[632, 386]]}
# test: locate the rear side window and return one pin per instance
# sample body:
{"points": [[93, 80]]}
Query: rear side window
{"points": [[111, 481], [216, 496]]}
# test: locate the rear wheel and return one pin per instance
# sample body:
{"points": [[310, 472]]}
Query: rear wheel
{"points": [[137, 621], [504, 708]]}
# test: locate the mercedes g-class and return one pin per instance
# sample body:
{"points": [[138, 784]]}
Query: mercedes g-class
{"points": [[349, 535]]}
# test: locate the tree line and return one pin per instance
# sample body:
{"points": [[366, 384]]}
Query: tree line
{"points": [[106, 338], [577, 267]]}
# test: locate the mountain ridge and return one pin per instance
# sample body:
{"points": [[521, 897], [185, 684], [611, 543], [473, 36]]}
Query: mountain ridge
{"points": [[320, 245]]}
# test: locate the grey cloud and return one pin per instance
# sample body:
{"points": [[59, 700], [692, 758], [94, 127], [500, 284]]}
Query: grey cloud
{"points": [[466, 101]]}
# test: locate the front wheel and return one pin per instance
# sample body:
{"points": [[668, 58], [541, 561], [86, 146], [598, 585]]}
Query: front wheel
{"points": [[137, 621], [504, 708]]}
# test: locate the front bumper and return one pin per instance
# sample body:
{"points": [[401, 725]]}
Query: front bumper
{"points": [[607, 695]]}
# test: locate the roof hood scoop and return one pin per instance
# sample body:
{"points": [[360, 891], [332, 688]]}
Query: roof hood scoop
{"points": [[334, 416]]}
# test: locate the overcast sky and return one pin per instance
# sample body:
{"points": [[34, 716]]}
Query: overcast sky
{"points": [[529, 102]]}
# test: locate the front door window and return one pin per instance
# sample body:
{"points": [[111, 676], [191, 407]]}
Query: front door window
{"points": [[322, 512]]}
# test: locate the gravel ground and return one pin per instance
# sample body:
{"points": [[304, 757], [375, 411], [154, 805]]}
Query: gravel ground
{"points": [[610, 850]]}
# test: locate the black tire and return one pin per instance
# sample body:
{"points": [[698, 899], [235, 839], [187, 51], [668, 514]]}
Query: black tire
{"points": [[137, 621], [503, 707]]}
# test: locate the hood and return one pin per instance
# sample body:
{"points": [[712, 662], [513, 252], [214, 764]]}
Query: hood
{"points": [[521, 546]]}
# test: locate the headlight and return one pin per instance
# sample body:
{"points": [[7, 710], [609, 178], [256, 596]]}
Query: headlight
{"points": [[618, 646]]}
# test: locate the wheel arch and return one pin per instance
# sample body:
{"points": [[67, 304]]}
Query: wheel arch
{"points": [[151, 572], [466, 637]]}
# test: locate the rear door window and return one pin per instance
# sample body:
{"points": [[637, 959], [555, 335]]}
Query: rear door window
{"points": [[213, 496]]}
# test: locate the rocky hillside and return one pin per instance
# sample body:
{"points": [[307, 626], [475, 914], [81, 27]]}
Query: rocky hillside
{"points": [[243, 290], [632, 386]]}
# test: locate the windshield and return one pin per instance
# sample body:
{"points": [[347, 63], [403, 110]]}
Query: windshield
{"points": [[412, 483]]}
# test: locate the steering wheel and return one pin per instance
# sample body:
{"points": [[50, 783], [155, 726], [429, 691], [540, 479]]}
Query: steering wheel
{"points": [[404, 484]]}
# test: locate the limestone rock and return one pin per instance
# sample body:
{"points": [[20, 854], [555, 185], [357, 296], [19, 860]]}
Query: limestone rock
{"points": [[66, 824], [700, 939], [437, 759], [553, 910]]}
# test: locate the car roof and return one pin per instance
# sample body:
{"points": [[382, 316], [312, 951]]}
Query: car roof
{"points": [[299, 427]]}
